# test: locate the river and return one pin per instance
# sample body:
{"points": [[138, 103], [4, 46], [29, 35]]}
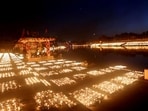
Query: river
{"points": [[134, 59]]}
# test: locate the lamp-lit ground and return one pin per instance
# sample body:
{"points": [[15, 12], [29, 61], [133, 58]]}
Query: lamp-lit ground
{"points": [[64, 85]]}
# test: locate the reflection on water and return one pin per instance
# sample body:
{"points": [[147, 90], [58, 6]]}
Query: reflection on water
{"points": [[129, 56]]}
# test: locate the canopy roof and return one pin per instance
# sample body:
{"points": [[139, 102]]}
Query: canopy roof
{"points": [[33, 39]]}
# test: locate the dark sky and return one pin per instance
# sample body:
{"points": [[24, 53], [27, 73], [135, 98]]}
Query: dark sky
{"points": [[72, 19]]}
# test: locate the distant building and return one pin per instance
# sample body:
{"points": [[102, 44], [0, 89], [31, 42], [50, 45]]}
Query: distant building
{"points": [[34, 46]]}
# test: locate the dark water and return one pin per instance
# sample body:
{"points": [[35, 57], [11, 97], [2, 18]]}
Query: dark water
{"points": [[135, 59]]}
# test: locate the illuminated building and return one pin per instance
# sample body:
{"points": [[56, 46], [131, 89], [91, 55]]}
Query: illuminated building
{"points": [[34, 46]]}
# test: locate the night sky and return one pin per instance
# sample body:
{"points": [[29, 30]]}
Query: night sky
{"points": [[73, 19]]}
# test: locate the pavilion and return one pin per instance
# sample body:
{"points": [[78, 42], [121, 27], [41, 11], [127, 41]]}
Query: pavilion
{"points": [[35, 47]]}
